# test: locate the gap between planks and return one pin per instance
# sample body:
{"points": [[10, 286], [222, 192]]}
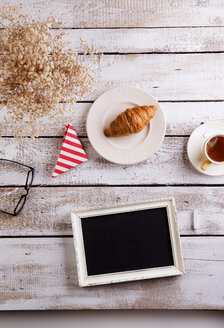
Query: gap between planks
{"points": [[161, 101], [134, 27], [116, 185], [71, 236], [86, 137]]}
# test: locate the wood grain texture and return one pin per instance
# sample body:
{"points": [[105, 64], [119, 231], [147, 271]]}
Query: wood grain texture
{"points": [[165, 40], [194, 114], [165, 76], [146, 40], [128, 13], [47, 211], [40, 273], [169, 165]]}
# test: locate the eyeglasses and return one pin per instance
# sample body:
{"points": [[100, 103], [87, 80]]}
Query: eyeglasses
{"points": [[29, 180]]}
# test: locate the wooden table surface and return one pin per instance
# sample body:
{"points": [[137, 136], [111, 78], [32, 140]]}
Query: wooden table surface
{"points": [[175, 51]]}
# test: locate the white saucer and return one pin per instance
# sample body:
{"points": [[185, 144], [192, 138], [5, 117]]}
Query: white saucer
{"points": [[195, 147], [133, 148]]}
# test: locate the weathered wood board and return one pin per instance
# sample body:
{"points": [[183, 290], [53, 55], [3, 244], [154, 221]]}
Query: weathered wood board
{"points": [[146, 40], [165, 76], [195, 113], [40, 273], [47, 211], [168, 166], [141, 40], [128, 13]]}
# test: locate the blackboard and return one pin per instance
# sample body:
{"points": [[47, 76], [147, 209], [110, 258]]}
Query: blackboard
{"points": [[127, 241]]}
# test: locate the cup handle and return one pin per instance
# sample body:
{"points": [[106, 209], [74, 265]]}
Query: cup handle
{"points": [[205, 164]]}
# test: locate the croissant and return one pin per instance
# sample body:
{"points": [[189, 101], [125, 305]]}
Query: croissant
{"points": [[132, 120]]}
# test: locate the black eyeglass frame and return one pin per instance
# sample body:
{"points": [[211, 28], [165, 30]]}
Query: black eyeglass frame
{"points": [[26, 187]]}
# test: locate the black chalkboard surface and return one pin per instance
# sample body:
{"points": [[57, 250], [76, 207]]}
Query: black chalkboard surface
{"points": [[127, 241]]}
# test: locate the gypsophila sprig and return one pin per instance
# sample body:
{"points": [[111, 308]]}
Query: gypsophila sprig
{"points": [[38, 69]]}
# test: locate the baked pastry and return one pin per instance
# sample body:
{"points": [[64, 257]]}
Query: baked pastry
{"points": [[132, 120]]}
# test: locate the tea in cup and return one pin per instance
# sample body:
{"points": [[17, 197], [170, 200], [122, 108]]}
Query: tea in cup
{"points": [[213, 151]]}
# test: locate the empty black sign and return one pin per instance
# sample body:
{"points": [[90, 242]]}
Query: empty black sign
{"points": [[127, 241]]}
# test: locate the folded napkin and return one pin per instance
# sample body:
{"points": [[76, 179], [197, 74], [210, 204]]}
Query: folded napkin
{"points": [[71, 154]]}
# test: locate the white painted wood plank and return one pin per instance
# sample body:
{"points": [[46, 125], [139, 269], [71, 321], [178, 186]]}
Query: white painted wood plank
{"points": [[142, 40], [165, 40], [194, 114], [169, 165], [165, 76], [47, 211], [40, 273], [128, 13]]}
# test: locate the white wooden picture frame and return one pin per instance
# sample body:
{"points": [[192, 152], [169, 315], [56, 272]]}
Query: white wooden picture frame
{"points": [[86, 280]]}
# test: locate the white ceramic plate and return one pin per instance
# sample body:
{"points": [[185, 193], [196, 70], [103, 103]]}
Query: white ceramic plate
{"points": [[129, 149], [195, 147]]}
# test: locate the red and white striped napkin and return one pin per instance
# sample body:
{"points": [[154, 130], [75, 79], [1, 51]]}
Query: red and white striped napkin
{"points": [[71, 154]]}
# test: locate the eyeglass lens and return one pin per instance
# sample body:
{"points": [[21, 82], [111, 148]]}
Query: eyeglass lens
{"points": [[12, 173], [20, 204], [9, 198], [29, 180], [12, 199]]}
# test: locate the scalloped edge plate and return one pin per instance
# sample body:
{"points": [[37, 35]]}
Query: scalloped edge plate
{"points": [[129, 149]]}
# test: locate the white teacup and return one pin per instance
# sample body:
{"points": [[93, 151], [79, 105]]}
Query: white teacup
{"points": [[208, 160]]}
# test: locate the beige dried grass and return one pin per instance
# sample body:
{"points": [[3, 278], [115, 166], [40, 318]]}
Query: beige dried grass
{"points": [[38, 70]]}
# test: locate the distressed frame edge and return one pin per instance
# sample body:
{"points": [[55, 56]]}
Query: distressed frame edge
{"points": [[176, 269]]}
